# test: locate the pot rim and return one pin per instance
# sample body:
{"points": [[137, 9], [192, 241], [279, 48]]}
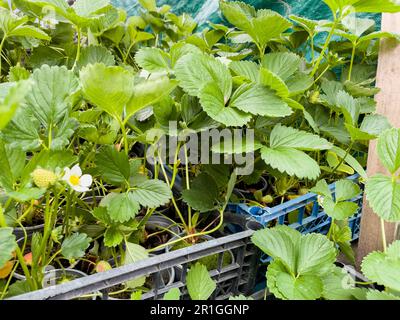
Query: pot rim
{"points": [[264, 188]]}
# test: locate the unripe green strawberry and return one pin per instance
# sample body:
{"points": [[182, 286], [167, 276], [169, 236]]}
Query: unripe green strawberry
{"points": [[267, 199], [303, 191], [314, 98], [44, 178]]}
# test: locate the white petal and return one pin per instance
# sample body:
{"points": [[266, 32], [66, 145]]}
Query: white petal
{"points": [[67, 174], [76, 170], [86, 180], [80, 188], [144, 74], [224, 60]]}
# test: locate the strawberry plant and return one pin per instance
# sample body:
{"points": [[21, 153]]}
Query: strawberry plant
{"points": [[88, 96]]}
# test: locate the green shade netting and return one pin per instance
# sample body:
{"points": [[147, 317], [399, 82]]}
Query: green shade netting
{"points": [[207, 10]]}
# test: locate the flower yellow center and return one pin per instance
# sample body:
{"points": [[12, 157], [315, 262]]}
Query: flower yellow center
{"points": [[74, 180]]}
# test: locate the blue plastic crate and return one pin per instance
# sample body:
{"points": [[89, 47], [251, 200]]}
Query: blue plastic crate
{"points": [[316, 221]]}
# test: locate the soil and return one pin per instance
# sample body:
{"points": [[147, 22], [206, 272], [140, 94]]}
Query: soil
{"points": [[86, 266], [244, 188], [37, 220], [157, 240]]}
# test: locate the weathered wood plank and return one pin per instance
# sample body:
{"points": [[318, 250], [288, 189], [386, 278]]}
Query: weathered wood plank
{"points": [[388, 103]]}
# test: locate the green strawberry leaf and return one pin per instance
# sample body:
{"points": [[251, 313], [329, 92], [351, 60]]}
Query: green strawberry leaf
{"points": [[259, 100], [8, 245], [384, 268], [389, 149], [205, 186], [113, 165], [173, 294], [194, 71], [113, 237], [152, 193], [199, 283], [153, 60], [135, 253], [74, 246], [109, 88], [383, 195], [95, 54], [10, 101], [212, 101], [122, 206]]}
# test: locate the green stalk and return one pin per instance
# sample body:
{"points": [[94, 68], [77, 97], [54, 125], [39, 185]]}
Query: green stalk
{"points": [[188, 185], [261, 50], [114, 254], [330, 229], [128, 52], [89, 156], [124, 134], [312, 50], [156, 170], [344, 158], [18, 252], [27, 274], [50, 136], [54, 256], [173, 198], [322, 73], [175, 168], [3, 222], [46, 233], [192, 235], [27, 212], [1, 50], [326, 45], [353, 54], [10, 277], [383, 235], [66, 217], [78, 50], [146, 217]]}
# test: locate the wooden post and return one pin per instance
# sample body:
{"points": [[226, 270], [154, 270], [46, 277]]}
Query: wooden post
{"points": [[388, 104]]}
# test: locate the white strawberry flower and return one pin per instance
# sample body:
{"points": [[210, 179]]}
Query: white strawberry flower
{"points": [[48, 23], [77, 181], [320, 200], [224, 60], [144, 74]]}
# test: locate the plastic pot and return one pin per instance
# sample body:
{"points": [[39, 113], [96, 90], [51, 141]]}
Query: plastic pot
{"points": [[225, 286], [19, 276], [247, 193], [253, 225], [179, 268], [19, 232], [156, 221], [53, 276], [165, 277], [234, 223]]}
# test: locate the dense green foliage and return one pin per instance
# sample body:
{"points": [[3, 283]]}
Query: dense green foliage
{"points": [[83, 87]]}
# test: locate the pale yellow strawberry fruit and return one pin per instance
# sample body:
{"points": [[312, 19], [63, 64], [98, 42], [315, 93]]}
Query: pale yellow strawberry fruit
{"points": [[44, 178]]}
